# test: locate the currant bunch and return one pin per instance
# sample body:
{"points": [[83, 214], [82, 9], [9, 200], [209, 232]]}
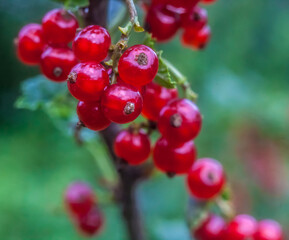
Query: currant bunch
{"points": [[165, 17], [83, 209], [47, 44]]}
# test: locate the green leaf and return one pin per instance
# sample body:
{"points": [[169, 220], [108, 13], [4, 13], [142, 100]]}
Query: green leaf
{"points": [[149, 40], [163, 76], [73, 3]]}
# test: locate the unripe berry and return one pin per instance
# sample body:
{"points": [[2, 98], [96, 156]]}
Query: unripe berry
{"points": [[180, 121], [91, 223], [30, 44], [133, 147], [90, 114], [56, 63], [92, 44], [79, 198], [138, 65], [213, 228], [87, 81], [196, 39], [268, 230], [206, 179], [242, 227], [121, 103], [174, 160], [59, 26], [195, 19], [155, 98], [162, 23]]}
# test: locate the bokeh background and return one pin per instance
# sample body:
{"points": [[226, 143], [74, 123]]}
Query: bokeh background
{"points": [[243, 83]]}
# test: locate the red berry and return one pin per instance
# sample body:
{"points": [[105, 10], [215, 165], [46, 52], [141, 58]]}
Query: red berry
{"points": [[87, 81], [180, 121], [242, 227], [91, 223], [59, 26], [181, 6], [121, 103], [174, 160], [269, 230], [133, 147], [206, 179], [138, 65], [196, 39], [90, 114], [79, 198], [208, 1], [141, 89], [92, 44], [155, 98], [162, 23], [213, 228], [56, 63], [30, 44], [195, 19]]}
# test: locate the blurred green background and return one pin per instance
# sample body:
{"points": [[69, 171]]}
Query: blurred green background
{"points": [[243, 82]]}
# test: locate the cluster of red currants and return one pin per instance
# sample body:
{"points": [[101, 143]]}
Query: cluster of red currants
{"points": [[82, 206], [241, 227], [165, 17]]}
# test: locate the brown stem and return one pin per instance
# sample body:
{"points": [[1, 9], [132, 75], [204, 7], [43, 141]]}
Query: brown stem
{"points": [[129, 176]]}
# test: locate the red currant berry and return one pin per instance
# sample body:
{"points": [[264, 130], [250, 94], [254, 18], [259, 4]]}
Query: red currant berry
{"points": [[56, 63], [59, 26], [206, 179], [141, 89], [79, 198], [133, 147], [180, 121], [121, 103], [196, 39], [162, 23], [242, 227], [138, 65], [269, 230], [155, 98], [174, 160], [90, 114], [87, 81], [30, 44], [92, 44], [213, 228], [208, 1], [181, 6], [91, 223], [195, 19]]}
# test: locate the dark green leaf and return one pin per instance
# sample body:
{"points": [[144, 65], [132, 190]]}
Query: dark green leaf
{"points": [[163, 76]]}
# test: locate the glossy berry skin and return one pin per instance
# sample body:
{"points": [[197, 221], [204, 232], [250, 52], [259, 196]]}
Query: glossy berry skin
{"points": [[141, 89], [162, 23], [213, 228], [91, 223], [155, 98], [180, 121], [90, 114], [56, 63], [132, 147], [181, 6], [138, 65], [92, 44], [30, 44], [121, 103], [206, 179], [196, 39], [79, 198], [208, 1], [242, 227], [195, 19], [59, 26], [268, 230], [87, 81], [174, 160]]}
